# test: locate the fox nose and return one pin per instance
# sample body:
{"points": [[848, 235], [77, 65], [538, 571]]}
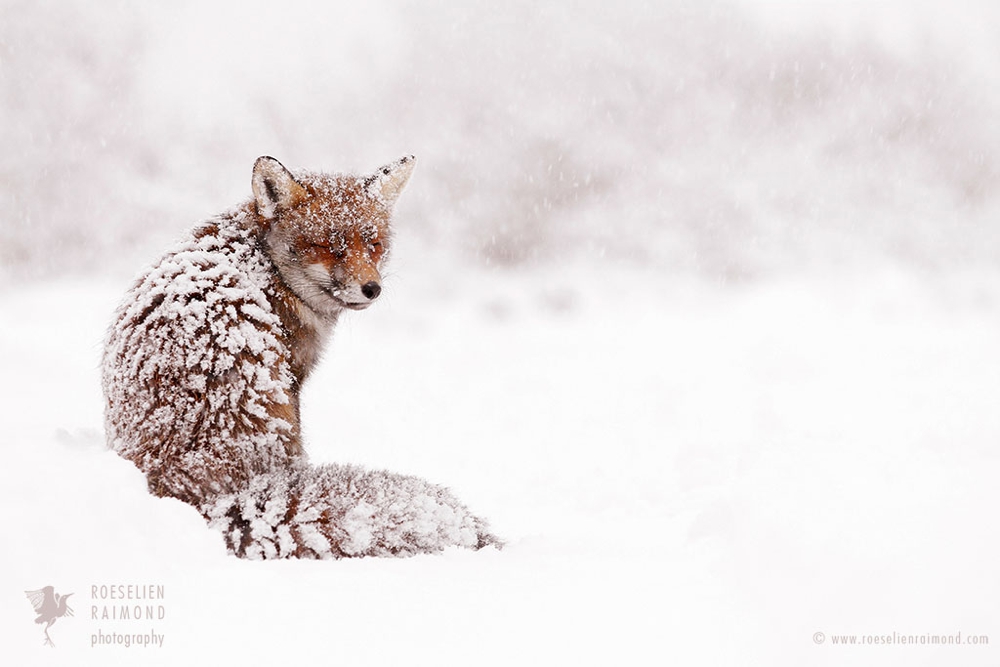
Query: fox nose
{"points": [[371, 290]]}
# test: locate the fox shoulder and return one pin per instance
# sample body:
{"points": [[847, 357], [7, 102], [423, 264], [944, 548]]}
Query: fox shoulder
{"points": [[197, 375]]}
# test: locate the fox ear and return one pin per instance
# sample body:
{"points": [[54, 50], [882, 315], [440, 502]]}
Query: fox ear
{"points": [[274, 187], [388, 182]]}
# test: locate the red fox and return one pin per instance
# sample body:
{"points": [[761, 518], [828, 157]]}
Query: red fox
{"points": [[208, 353]]}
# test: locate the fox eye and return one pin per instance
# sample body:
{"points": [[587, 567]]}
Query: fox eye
{"points": [[337, 247]]}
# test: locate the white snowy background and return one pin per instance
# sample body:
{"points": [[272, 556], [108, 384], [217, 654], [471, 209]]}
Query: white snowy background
{"points": [[699, 303]]}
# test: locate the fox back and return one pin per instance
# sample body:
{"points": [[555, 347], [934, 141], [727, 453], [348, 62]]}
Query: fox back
{"points": [[207, 355]]}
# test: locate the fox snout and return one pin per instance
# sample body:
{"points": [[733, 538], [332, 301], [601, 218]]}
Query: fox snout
{"points": [[360, 294], [371, 290], [356, 284]]}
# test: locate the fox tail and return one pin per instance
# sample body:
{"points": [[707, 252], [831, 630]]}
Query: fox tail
{"points": [[335, 511]]}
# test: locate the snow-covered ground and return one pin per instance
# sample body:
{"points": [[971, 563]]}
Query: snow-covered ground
{"points": [[683, 474]]}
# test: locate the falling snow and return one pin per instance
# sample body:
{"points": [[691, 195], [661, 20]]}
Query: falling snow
{"points": [[697, 302]]}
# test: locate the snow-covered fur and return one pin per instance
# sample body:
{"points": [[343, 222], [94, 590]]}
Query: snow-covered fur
{"points": [[208, 353]]}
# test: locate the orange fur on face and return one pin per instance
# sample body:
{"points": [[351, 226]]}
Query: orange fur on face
{"points": [[354, 240]]}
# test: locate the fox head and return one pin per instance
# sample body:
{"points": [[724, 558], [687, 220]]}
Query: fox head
{"points": [[328, 234]]}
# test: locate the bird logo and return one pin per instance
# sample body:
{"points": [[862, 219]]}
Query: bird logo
{"points": [[49, 606]]}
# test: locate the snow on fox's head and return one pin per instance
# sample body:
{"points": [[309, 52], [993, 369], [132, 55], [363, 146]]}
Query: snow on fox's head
{"points": [[327, 234]]}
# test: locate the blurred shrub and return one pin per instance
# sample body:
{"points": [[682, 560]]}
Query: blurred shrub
{"points": [[689, 136]]}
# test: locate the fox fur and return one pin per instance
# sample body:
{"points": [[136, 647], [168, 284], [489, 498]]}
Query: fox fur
{"points": [[209, 350]]}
